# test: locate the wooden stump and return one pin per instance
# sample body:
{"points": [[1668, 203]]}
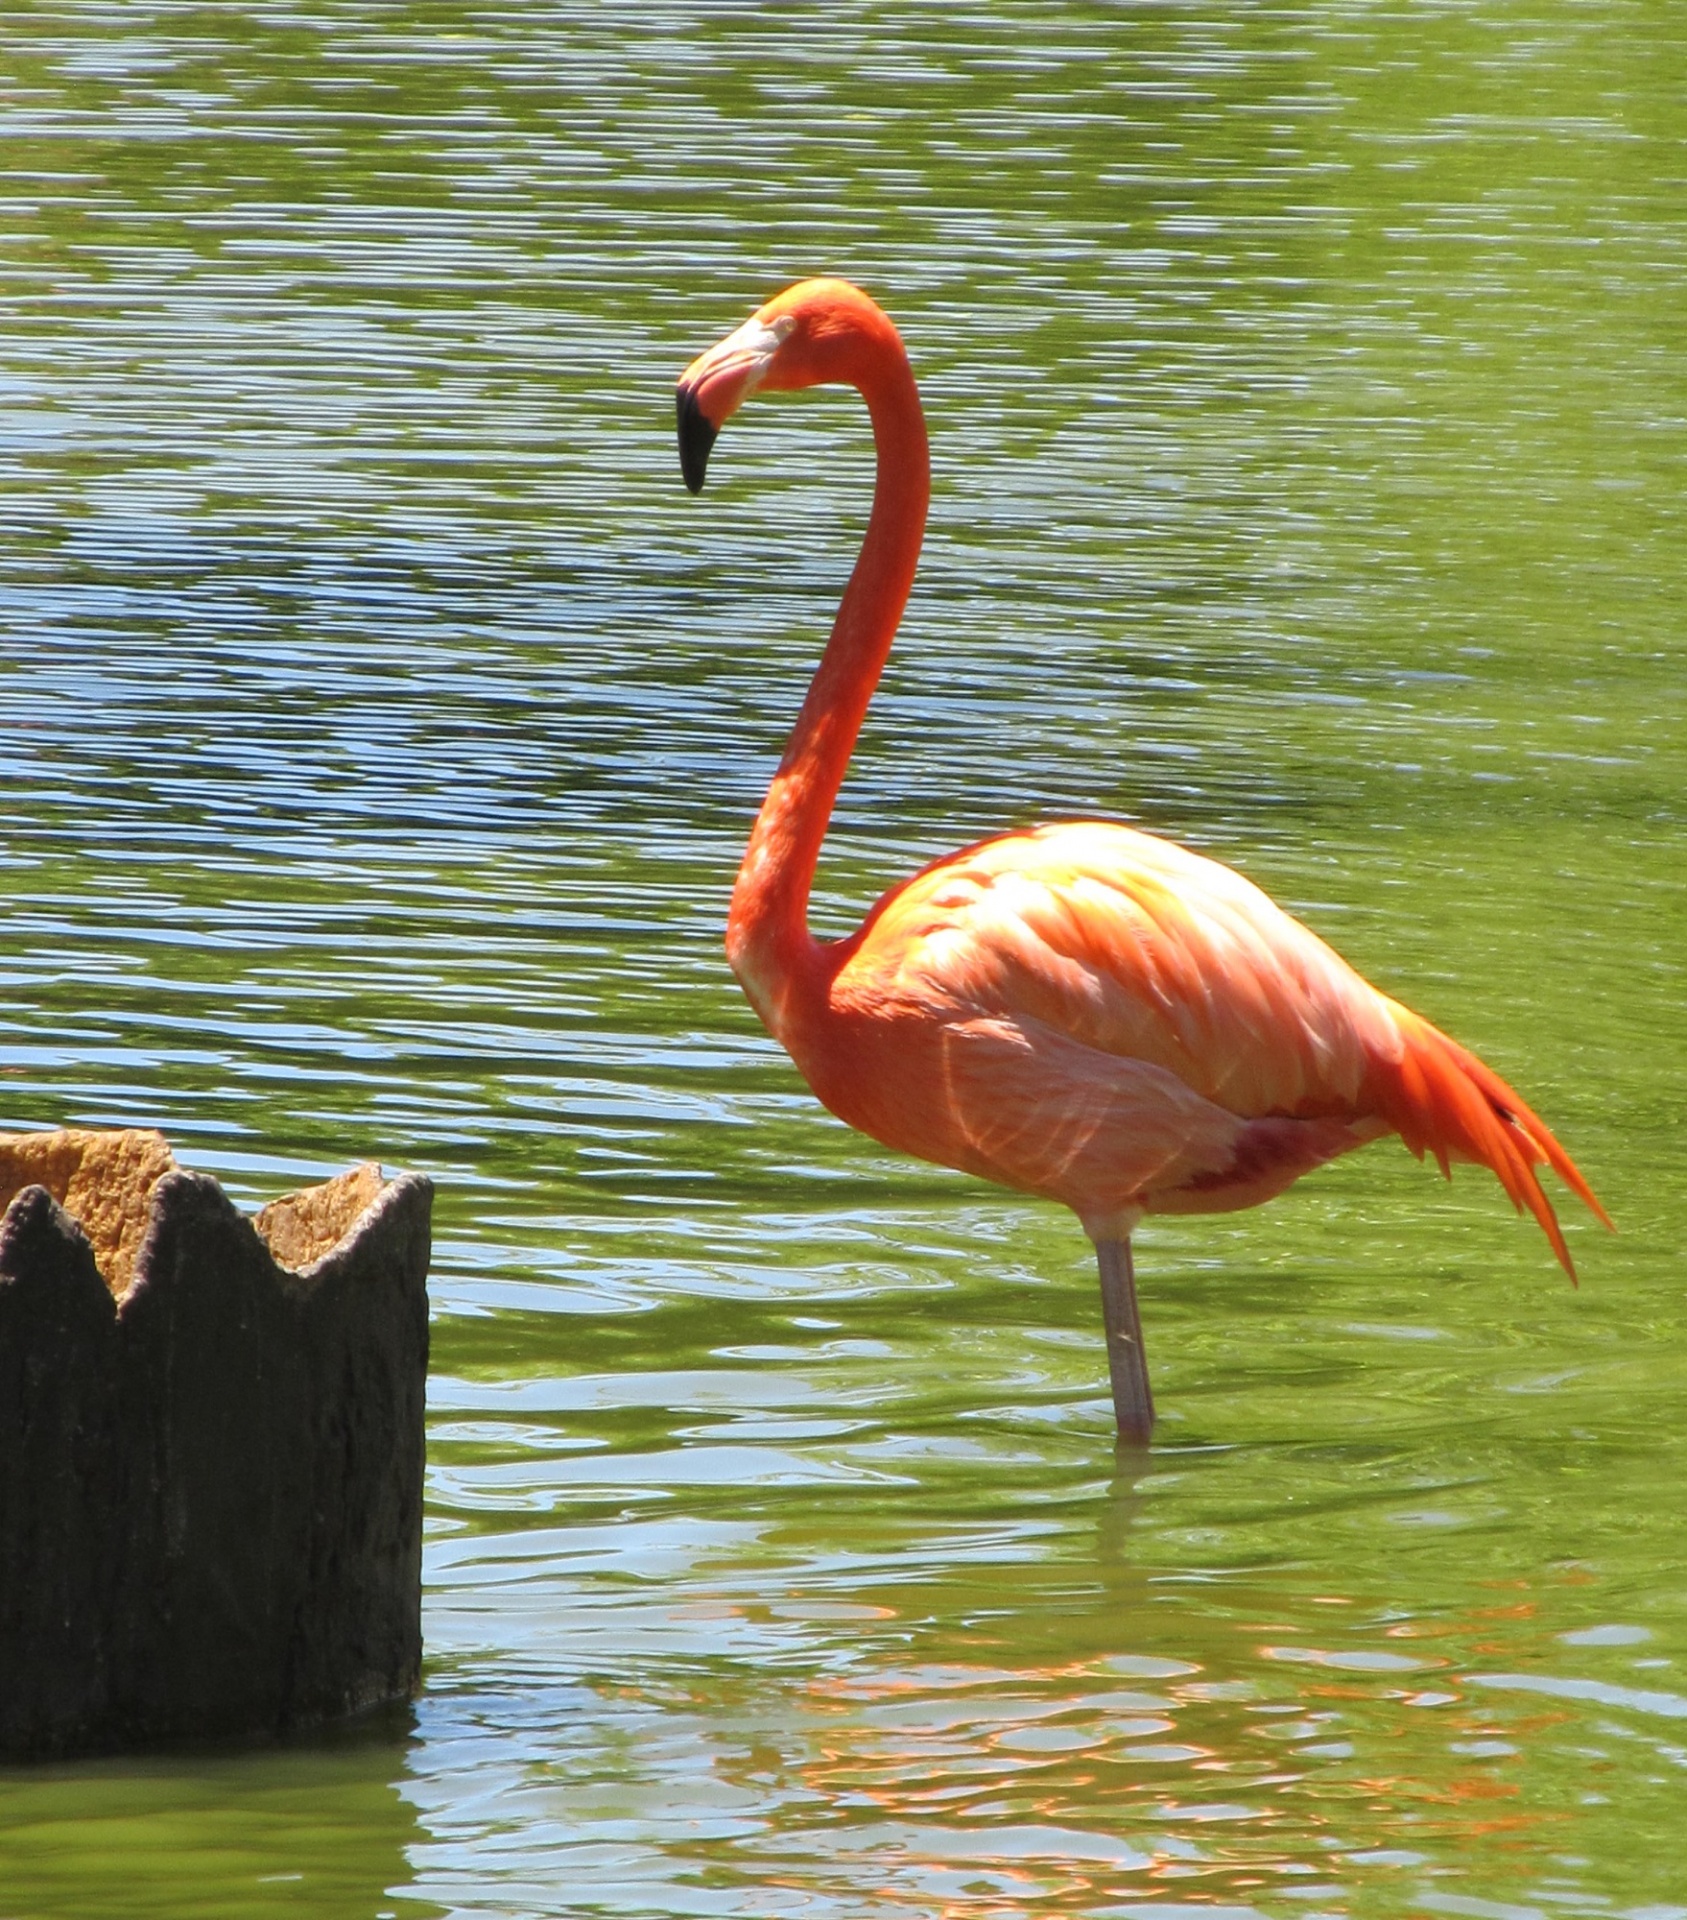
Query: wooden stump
{"points": [[211, 1448]]}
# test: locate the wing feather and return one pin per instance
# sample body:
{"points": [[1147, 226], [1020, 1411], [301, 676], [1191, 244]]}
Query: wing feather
{"points": [[1127, 1024], [1140, 950]]}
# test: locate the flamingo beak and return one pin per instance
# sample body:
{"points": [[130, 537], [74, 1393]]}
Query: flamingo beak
{"points": [[717, 383], [697, 434]]}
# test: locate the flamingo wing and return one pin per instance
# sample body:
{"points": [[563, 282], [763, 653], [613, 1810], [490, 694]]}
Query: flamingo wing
{"points": [[1127, 1026], [1141, 950]]}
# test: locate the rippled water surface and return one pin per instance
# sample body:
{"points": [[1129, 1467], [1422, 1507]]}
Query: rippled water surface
{"points": [[382, 722]]}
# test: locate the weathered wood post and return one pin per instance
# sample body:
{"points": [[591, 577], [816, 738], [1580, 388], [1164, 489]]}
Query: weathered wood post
{"points": [[211, 1448]]}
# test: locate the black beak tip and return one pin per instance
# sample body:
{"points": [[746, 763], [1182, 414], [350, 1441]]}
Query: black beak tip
{"points": [[696, 437]]}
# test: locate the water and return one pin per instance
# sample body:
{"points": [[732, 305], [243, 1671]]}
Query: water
{"points": [[381, 726]]}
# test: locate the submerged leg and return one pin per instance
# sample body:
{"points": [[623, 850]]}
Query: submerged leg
{"points": [[1133, 1403]]}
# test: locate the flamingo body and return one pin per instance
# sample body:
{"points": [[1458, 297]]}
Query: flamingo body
{"points": [[1079, 1010]]}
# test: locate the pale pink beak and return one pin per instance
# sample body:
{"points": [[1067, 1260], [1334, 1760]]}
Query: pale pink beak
{"points": [[717, 383]]}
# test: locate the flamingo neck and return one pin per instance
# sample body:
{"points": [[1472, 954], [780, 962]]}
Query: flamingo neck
{"points": [[767, 937]]}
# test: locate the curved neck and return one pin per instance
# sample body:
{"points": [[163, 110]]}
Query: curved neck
{"points": [[767, 934]]}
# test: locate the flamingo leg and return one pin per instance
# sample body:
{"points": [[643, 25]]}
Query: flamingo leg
{"points": [[1127, 1363]]}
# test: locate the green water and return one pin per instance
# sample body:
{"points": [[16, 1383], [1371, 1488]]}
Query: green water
{"points": [[381, 724]]}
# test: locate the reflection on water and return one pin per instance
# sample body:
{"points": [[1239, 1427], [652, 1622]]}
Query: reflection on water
{"points": [[322, 1830], [381, 723]]}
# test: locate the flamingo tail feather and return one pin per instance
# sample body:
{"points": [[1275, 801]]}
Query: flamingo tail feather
{"points": [[1442, 1100]]}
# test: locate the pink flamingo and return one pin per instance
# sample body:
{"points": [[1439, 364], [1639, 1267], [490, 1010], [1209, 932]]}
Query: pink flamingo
{"points": [[1076, 1010]]}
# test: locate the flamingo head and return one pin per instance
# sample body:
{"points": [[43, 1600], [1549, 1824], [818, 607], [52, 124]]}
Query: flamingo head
{"points": [[816, 332]]}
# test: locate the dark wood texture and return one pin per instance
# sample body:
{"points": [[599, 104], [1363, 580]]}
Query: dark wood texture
{"points": [[210, 1488]]}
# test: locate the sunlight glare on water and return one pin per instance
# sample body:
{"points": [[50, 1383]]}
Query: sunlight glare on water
{"points": [[382, 724]]}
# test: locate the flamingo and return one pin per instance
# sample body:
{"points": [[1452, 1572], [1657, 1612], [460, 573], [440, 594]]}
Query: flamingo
{"points": [[1077, 1010]]}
